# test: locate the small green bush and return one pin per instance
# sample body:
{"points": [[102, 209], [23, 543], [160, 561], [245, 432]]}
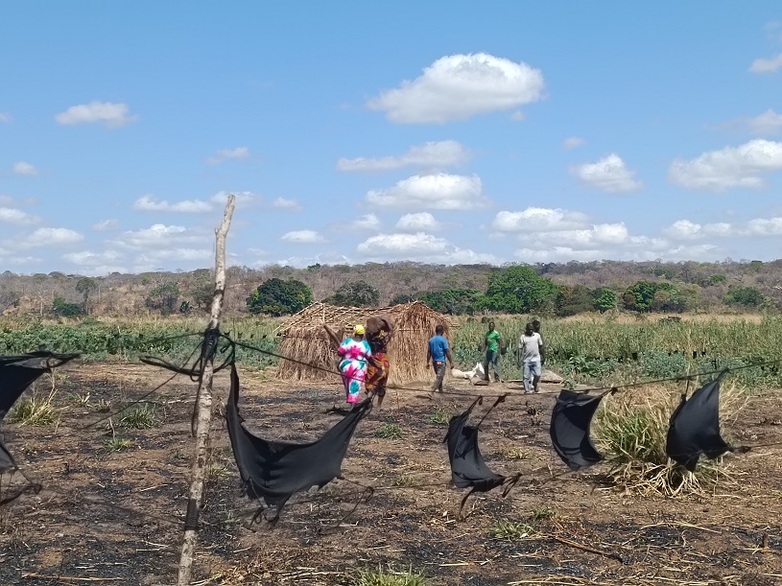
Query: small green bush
{"points": [[658, 364], [389, 577], [389, 431], [142, 416]]}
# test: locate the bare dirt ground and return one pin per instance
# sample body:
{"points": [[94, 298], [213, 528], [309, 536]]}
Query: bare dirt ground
{"points": [[115, 517]]}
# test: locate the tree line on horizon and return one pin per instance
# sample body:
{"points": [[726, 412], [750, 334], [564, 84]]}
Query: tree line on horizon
{"points": [[550, 289], [517, 289]]}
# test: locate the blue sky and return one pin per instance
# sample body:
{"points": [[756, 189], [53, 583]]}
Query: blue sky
{"points": [[444, 132]]}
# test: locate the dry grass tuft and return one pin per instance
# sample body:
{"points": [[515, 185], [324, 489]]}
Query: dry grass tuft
{"points": [[631, 430], [34, 410]]}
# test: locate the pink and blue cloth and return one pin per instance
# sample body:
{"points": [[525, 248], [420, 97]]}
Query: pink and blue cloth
{"points": [[353, 367]]}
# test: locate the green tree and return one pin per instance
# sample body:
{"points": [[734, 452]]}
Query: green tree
{"points": [[85, 286], [519, 289], [62, 308], [164, 297], [746, 296], [277, 297], [454, 301], [639, 297], [667, 297], [574, 299], [402, 298], [646, 296], [202, 292], [605, 299], [355, 294]]}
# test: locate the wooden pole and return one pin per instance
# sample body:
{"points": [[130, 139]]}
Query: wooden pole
{"points": [[204, 407]]}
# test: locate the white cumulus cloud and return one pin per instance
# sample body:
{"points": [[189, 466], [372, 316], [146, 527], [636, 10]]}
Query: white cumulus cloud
{"points": [[303, 237], [764, 227], [440, 191], [535, 219], [729, 167], [766, 65], [282, 203], [16, 216], [242, 197], [149, 203], [595, 236], [457, 87], [106, 113], [25, 168], [615, 241], [419, 222], [234, 154], [767, 123], [688, 230], [369, 222], [50, 237], [420, 244], [609, 174], [159, 236], [88, 258], [421, 247], [430, 155]]}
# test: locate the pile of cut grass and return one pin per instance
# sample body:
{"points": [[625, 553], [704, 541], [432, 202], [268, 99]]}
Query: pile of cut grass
{"points": [[35, 409], [631, 431]]}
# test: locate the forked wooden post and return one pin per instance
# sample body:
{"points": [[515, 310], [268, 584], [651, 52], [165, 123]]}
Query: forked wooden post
{"points": [[203, 422]]}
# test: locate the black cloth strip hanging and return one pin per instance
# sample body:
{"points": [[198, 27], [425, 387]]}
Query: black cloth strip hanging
{"points": [[275, 470], [694, 428], [570, 422], [16, 374], [468, 468]]}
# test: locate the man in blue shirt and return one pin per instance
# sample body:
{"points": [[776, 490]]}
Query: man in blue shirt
{"points": [[437, 353]]}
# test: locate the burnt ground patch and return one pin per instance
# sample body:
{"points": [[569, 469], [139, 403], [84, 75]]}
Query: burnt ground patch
{"points": [[116, 516]]}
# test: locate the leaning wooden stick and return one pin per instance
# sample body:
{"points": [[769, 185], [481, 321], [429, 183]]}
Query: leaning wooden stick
{"points": [[204, 406], [608, 554]]}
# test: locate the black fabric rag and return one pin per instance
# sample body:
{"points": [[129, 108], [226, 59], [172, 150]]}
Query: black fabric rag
{"points": [[694, 428], [16, 374], [275, 470], [468, 468], [570, 421]]}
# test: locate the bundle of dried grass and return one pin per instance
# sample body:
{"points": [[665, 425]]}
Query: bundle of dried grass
{"points": [[315, 358], [631, 429]]}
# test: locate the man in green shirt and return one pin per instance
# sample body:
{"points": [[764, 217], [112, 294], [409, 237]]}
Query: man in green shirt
{"points": [[491, 343]]}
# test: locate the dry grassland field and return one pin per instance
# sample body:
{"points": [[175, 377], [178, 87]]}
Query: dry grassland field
{"points": [[114, 494]]}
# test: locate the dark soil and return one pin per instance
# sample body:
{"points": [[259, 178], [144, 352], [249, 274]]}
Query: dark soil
{"points": [[116, 517]]}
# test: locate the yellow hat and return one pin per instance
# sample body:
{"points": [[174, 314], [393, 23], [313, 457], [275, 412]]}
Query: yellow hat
{"points": [[358, 330]]}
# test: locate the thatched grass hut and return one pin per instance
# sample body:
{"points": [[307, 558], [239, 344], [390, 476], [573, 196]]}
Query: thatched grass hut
{"points": [[304, 339]]}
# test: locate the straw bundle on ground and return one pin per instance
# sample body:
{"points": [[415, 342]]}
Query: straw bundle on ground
{"points": [[305, 340]]}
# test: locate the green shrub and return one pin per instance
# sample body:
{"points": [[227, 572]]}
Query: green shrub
{"points": [[389, 431], [657, 364], [141, 416], [388, 577]]}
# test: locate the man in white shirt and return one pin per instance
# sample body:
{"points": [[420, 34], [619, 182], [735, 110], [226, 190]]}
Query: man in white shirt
{"points": [[531, 356]]}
